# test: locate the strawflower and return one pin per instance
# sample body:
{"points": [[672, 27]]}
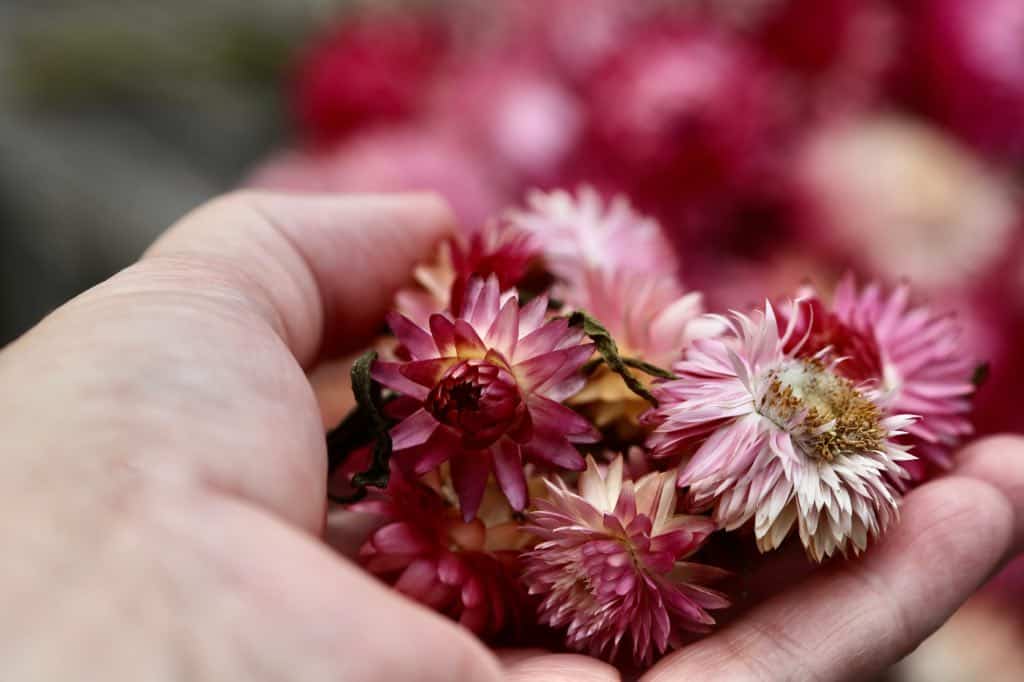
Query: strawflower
{"points": [[582, 232], [465, 570], [781, 440], [608, 565], [483, 390]]}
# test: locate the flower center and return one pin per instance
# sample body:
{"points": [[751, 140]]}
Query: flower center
{"points": [[480, 400], [824, 413]]}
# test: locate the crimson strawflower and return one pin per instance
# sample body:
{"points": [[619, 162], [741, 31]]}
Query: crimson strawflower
{"points": [[483, 390]]}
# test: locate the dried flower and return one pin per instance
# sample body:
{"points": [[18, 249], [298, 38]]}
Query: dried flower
{"points": [[607, 566], [483, 390], [782, 440], [466, 570], [582, 232], [913, 356], [497, 249]]}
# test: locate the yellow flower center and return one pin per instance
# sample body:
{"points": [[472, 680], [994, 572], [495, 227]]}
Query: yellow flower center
{"points": [[824, 413]]}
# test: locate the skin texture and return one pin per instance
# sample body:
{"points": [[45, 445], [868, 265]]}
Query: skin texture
{"points": [[162, 500]]}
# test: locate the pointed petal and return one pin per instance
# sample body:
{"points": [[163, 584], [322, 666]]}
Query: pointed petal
{"points": [[414, 430], [389, 374], [469, 476], [508, 469], [412, 336]]}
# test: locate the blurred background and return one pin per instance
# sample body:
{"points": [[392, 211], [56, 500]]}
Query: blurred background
{"points": [[778, 142]]}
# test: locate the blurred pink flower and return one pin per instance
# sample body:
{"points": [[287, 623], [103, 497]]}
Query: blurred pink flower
{"points": [[838, 51], [904, 202], [465, 570], [967, 69], [522, 118], [483, 389], [580, 233], [361, 71], [410, 158], [914, 358], [683, 111], [782, 440], [607, 565]]}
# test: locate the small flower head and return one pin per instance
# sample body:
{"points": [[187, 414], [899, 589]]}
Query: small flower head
{"points": [[913, 357], [782, 439], [465, 570], [497, 249], [483, 390], [608, 568], [582, 232]]}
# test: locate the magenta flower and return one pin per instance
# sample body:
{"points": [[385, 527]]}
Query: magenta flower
{"points": [[366, 71], [497, 249], [781, 440], [914, 357], [607, 566], [465, 570], [583, 232], [483, 390]]}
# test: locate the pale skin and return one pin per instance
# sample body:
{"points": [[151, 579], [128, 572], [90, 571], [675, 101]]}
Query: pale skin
{"points": [[162, 498]]}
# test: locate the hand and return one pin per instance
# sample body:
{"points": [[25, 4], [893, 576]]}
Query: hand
{"points": [[163, 492], [164, 461]]}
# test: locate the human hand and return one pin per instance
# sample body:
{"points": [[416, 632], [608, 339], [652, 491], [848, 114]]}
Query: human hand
{"points": [[165, 482], [163, 488]]}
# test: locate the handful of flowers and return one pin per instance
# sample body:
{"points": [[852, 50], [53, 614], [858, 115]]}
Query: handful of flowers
{"points": [[557, 428]]}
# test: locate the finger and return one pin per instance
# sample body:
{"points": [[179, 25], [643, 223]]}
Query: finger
{"points": [[999, 461], [299, 612], [186, 368], [322, 271], [532, 665], [854, 618]]}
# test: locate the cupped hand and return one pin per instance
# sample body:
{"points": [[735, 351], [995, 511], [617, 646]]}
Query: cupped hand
{"points": [[163, 493]]}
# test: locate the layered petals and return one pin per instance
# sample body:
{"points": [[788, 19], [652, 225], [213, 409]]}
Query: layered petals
{"points": [[781, 440], [486, 385], [608, 565]]}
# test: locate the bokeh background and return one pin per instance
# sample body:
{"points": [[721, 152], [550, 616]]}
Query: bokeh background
{"points": [[778, 141]]}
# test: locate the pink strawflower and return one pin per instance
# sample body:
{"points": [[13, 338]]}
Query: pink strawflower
{"points": [[607, 565], [781, 439], [465, 570], [650, 316], [914, 357], [483, 390], [498, 249], [583, 232]]}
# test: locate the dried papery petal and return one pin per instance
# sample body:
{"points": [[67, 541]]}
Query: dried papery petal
{"points": [[608, 566], [781, 440]]}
